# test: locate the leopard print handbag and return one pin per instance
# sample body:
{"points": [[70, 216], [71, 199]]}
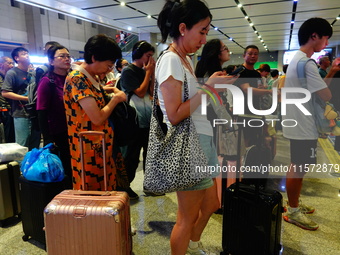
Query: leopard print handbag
{"points": [[175, 159]]}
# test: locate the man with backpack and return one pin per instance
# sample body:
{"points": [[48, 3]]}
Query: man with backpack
{"points": [[15, 87], [137, 81], [313, 37]]}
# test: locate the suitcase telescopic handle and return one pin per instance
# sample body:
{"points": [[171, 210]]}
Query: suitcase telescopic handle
{"points": [[81, 139]]}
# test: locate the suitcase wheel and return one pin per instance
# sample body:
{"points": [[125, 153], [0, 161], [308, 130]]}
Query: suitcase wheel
{"points": [[25, 238]]}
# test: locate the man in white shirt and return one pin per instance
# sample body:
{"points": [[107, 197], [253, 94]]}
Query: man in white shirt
{"points": [[313, 37]]}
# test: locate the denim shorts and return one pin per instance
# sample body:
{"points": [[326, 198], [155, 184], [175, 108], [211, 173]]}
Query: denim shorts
{"points": [[209, 149]]}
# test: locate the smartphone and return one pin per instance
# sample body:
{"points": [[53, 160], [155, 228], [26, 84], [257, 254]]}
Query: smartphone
{"points": [[238, 70]]}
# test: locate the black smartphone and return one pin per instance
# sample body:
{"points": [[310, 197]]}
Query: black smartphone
{"points": [[238, 70]]}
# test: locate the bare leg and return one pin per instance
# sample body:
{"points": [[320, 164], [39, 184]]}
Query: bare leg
{"points": [[189, 204], [209, 205]]}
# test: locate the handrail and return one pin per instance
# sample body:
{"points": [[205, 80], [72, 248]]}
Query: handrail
{"points": [[132, 39]]}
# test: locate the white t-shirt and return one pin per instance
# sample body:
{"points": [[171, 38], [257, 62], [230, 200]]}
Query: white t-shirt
{"points": [[306, 128], [170, 65]]}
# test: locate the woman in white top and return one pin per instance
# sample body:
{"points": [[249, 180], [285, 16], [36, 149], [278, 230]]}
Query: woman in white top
{"points": [[188, 23]]}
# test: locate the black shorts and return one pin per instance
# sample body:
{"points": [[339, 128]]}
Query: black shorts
{"points": [[303, 151]]}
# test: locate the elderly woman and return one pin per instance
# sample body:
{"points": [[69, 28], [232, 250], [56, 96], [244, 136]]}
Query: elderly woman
{"points": [[87, 110]]}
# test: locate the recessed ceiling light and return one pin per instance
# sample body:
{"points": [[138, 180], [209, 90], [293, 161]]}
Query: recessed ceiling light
{"points": [[149, 16], [246, 17], [122, 3], [251, 24], [239, 5]]}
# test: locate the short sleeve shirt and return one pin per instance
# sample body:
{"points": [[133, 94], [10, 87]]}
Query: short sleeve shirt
{"points": [[131, 79], [170, 65], [252, 77], [17, 81], [305, 128]]}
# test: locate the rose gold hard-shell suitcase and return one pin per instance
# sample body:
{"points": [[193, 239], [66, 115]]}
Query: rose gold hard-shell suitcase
{"points": [[88, 222]]}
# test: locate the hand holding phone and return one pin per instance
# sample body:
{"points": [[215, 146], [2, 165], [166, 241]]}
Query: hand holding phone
{"points": [[238, 70]]}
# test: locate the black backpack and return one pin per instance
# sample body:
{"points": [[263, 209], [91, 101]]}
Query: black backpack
{"points": [[40, 72], [31, 106], [124, 121]]}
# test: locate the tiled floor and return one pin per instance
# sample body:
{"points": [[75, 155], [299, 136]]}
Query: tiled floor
{"points": [[154, 217]]}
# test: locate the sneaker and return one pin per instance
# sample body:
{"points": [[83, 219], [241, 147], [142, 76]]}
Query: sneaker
{"points": [[152, 194], [196, 251], [306, 209], [300, 220], [132, 195]]}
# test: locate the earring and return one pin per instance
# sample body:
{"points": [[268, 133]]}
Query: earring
{"points": [[182, 34]]}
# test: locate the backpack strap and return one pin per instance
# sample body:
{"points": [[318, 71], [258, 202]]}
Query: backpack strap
{"points": [[50, 77], [301, 70]]}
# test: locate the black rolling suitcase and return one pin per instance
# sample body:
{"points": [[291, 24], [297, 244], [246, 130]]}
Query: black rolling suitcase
{"points": [[34, 196], [252, 218], [9, 191]]}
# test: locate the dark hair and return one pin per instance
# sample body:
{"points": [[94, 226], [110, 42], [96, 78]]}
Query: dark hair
{"points": [[209, 62], [322, 59], [174, 12], [118, 64], [274, 73], [51, 52], [284, 68], [229, 68], [101, 47], [264, 68], [250, 47], [140, 48], [52, 43], [319, 26], [15, 52]]}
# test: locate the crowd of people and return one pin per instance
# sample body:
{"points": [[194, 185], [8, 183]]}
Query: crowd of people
{"points": [[72, 97]]}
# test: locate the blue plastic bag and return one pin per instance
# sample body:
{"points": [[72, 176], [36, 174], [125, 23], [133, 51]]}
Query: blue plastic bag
{"points": [[42, 166]]}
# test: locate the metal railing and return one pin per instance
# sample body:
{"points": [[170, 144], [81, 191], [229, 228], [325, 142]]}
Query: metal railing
{"points": [[130, 41]]}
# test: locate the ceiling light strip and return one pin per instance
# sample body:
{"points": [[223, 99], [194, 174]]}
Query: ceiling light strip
{"points": [[133, 8], [335, 20], [246, 16], [230, 38], [292, 22]]}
